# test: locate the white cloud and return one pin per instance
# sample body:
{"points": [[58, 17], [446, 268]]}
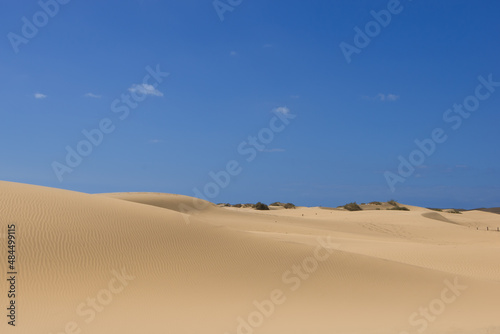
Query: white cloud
{"points": [[282, 110], [392, 97], [387, 97], [40, 96], [92, 95], [145, 89], [382, 97], [233, 53]]}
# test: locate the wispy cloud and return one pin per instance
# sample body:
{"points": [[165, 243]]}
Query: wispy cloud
{"points": [[92, 95], [282, 110], [145, 89], [40, 96], [383, 97], [268, 45], [391, 97], [233, 53]]}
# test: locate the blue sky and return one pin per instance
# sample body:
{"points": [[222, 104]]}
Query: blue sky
{"points": [[345, 123]]}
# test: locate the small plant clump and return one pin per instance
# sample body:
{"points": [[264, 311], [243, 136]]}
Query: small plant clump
{"points": [[375, 203], [396, 206], [261, 206], [436, 209], [237, 205], [352, 207], [455, 211], [393, 202], [401, 208], [285, 205]]}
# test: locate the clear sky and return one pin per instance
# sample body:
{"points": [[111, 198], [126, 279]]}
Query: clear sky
{"points": [[333, 95]]}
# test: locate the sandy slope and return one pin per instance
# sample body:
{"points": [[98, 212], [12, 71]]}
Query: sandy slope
{"points": [[132, 263]]}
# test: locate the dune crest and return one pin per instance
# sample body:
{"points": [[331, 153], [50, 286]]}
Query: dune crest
{"points": [[172, 202]]}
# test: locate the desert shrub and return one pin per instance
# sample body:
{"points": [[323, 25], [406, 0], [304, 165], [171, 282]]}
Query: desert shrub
{"points": [[289, 206], [276, 204], [454, 211], [237, 205], [436, 209], [375, 203], [401, 208], [392, 202], [377, 209], [352, 207], [261, 206]]}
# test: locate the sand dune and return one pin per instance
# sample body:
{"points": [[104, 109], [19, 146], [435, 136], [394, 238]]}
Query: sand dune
{"points": [[139, 263]]}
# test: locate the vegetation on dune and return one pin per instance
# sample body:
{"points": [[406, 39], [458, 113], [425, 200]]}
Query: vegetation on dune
{"points": [[352, 207], [396, 206], [349, 206], [455, 211], [392, 202], [285, 205], [436, 209], [401, 208], [261, 206]]}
